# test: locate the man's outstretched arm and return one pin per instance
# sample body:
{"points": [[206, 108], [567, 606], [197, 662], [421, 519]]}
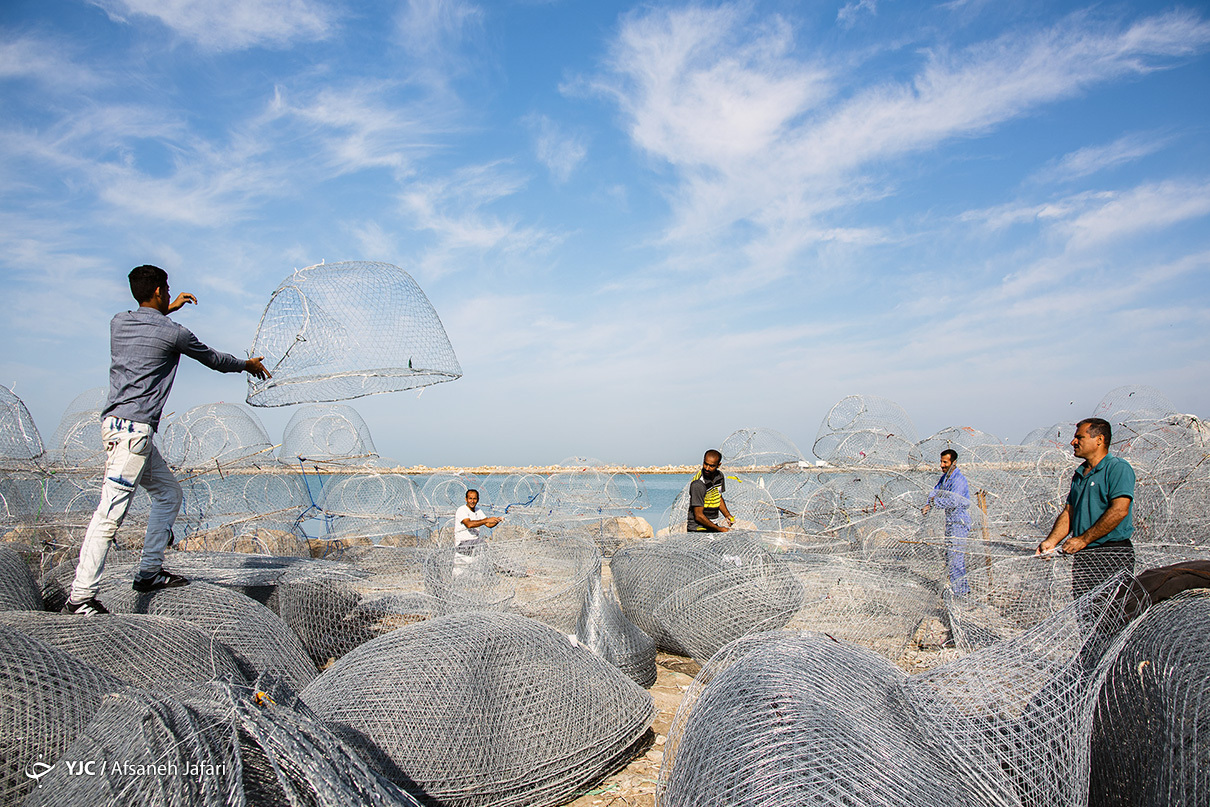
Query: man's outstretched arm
{"points": [[699, 515], [1111, 518], [1058, 532]]}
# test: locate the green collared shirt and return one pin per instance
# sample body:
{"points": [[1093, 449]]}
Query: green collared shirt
{"points": [[1091, 493]]}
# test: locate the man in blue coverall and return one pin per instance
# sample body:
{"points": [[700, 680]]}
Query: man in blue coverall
{"points": [[953, 494]]}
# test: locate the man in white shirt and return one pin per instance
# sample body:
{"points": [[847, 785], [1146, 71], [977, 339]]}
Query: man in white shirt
{"points": [[467, 522]]}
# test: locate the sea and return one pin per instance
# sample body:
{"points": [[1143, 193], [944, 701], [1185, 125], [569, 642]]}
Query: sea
{"points": [[659, 491]]}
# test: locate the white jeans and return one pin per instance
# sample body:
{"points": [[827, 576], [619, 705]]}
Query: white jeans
{"points": [[131, 460]]}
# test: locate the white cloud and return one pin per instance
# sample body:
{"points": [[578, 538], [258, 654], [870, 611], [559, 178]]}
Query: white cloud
{"points": [[560, 152], [453, 211], [430, 27], [232, 24], [443, 39], [705, 87], [765, 147], [46, 61], [848, 14], [1092, 219], [1143, 210], [365, 125], [1093, 159]]}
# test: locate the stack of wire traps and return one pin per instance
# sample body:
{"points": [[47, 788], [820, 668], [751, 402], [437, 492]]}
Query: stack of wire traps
{"points": [[784, 718]]}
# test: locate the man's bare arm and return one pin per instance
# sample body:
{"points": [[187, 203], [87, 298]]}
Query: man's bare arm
{"points": [[471, 524], [722, 506], [1058, 532], [699, 515], [1111, 518]]}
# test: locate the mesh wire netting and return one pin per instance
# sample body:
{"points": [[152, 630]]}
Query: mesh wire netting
{"points": [[260, 640], [483, 708], [341, 605], [327, 432], [1151, 738], [19, 438], [791, 719], [749, 448], [49, 697], [155, 651], [76, 441], [748, 501], [840, 550], [337, 331], [377, 508], [213, 745], [783, 719], [1133, 402], [867, 430], [693, 593], [18, 589], [861, 602], [592, 490], [215, 434], [605, 630]]}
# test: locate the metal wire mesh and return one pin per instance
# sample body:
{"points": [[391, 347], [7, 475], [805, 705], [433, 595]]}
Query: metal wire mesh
{"points": [[591, 490], [752, 506], [482, 708], [860, 602], [778, 719], [695, 592], [337, 331], [1133, 402], [19, 438], [215, 434], [156, 651], [50, 696], [867, 430], [605, 630], [377, 509], [76, 441], [801, 718], [18, 589], [213, 745], [752, 448], [336, 607], [328, 432], [260, 640], [1151, 737]]}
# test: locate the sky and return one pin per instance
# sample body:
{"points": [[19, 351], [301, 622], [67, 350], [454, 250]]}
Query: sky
{"points": [[643, 226]]}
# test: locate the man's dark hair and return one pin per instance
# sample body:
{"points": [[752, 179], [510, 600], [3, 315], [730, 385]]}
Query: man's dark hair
{"points": [[951, 453], [469, 491], [145, 279], [714, 452], [1098, 426]]}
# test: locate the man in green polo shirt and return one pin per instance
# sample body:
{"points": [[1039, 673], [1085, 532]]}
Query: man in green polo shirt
{"points": [[1097, 521]]}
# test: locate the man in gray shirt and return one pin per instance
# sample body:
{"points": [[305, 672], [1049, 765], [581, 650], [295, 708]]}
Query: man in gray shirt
{"points": [[145, 348]]}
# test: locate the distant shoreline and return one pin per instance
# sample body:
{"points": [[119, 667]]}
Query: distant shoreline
{"points": [[537, 470]]}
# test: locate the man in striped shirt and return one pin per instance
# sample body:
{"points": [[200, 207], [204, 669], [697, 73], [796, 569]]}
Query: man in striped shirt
{"points": [[706, 497], [145, 348]]}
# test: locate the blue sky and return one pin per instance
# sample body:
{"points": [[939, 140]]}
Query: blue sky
{"points": [[643, 226]]}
